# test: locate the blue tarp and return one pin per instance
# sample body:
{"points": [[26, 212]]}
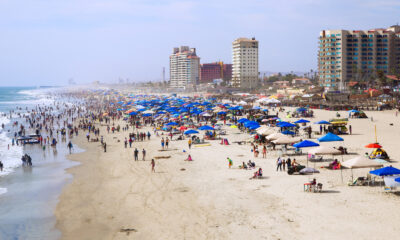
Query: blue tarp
{"points": [[330, 137], [306, 143], [385, 171]]}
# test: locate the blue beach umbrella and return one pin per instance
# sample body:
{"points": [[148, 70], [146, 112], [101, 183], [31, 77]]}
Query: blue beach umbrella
{"points": [[302, 121], [305, 143], [285, 124], [206, 127], [243, 120], [191, 131], [330, 137], [287, 132], [322, 122], [386, 171], [397, 179], [172, 124]]}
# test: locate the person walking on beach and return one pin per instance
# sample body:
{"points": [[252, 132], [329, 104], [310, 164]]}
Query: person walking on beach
{"points": [[136, 154], [350, 129], [153, 164], [130, 142], [162, 143], [230, 162], [264, 151], [144, 154], [69, 147], [190, 143], [126, 143], [105, 146], [279, 164]]}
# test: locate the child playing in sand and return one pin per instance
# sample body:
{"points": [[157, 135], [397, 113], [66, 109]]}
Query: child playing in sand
{"points": [[230, 162]]}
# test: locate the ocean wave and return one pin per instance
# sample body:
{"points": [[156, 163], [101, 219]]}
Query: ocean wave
{"points": [[11, 158], [39, 101], [3, 190]]}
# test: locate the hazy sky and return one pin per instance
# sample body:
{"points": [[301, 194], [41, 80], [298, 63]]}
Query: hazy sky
{"points": [[46, 42]]}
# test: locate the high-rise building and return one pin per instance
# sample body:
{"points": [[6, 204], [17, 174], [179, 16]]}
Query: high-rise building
{"points": [[217, 70], [245, 63], [184, 67], [357, 55]]}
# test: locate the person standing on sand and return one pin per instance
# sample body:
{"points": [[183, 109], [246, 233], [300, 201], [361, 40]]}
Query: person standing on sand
{"points": [[190, 143], [264, 151], [69, 147], [166, 142], [162, 143], [350, 129], [144, 154], [279, 164], [153, 164], [126, 143], [1, 165], [105, 146], [136, 154]]}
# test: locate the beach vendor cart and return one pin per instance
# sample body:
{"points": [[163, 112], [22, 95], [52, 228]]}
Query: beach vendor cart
{"points": [[338, 126]]}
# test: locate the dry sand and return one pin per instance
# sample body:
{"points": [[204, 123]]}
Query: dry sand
{"points": [[114, 197]]}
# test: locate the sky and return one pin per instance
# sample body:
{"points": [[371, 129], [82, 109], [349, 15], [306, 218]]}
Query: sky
{"points": [[48, 42]]}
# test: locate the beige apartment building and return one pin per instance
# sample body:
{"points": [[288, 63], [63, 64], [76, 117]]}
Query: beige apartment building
{"points": [[357, 55], [245, 63], [184, 68]]}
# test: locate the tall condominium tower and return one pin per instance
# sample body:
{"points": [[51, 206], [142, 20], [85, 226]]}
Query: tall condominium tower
{"points": [[357, 55], [184, 67], [245, 63]]}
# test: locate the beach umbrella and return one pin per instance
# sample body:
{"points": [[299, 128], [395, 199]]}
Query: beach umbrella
{"points": [[243, 120], [146, 115], [301, 109], [206, 127], [361, 162], [275, 136], [322, 122], [182, 128], [330, 137], [286, 140], [302, 121], [353, 111], [308, 170], [286, 124], [323, 150], [373, 145], [132, 113], [191, 131], [172, 124], [287, 132], [306, 143], [397, 179], [386, 171]]}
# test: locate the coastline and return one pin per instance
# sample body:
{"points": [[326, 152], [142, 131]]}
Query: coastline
{"points": [[113, 197]]}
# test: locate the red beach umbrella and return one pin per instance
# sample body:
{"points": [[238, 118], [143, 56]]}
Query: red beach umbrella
{"points": [[373, 145], [182, 128]]}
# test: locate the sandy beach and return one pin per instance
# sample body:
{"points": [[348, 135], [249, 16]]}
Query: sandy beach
{"points": [[114, 197]]}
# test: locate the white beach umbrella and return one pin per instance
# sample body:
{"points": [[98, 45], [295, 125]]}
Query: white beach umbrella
{"points": [[361, 162], [286, 140], [148, 111], [324, 150], [275, 136]]}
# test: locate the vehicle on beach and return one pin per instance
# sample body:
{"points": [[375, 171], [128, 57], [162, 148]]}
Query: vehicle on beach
{"points": [[30, 139]]}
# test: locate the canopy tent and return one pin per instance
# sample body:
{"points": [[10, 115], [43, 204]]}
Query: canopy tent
{"points": [[330, 137], [361, 162], [302, 121], [386, 171], [324, 150], [306, 143]]}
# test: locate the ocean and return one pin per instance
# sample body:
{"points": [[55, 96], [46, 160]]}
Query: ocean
{"points": [[28, 195]]}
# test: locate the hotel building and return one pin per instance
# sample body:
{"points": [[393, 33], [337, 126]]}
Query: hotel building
{"points": [[245, 63], [184, 67], [357, 55]]}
